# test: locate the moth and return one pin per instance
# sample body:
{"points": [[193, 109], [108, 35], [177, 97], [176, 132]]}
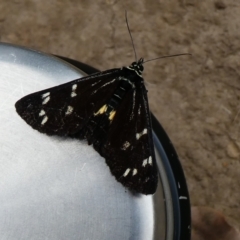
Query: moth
{"points": [[110, 110]]}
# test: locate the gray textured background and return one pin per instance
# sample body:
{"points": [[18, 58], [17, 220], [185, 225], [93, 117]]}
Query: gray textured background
{"points": [[195, 98]]}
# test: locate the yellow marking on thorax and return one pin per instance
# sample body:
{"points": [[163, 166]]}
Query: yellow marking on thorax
{"points": [[112, 115], [102, 110]]}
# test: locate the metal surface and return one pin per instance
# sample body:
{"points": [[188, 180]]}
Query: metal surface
{"points": [[60, 188]]}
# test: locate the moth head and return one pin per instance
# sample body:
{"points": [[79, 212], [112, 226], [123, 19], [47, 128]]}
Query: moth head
{"points": [[138, 66]]}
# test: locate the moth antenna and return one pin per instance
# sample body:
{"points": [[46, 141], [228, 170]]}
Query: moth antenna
{"points": [[130, 35], [168, 56]]}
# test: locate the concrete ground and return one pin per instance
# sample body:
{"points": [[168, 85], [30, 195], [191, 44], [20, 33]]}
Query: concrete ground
{"points": [[196, 98]]}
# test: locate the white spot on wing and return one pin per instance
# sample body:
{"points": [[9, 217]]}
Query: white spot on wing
{"points": [[139, 110], [44, 120], [73, 94], [126, 172], [42, 112], [138, 135], [69, 110], [134, 171], [147, 161], [150, 160], [147, 179], [45, 94], [46, 100], [74, 87], [126, 145]]}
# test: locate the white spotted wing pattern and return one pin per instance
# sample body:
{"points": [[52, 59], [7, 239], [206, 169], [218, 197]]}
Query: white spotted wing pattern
{"points": [[109, 109]]}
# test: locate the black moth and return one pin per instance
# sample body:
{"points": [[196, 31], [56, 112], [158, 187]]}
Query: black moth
{"points": [[109, 109]]}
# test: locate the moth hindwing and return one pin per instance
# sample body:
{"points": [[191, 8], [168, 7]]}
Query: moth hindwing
{"points": [[109, 109]]}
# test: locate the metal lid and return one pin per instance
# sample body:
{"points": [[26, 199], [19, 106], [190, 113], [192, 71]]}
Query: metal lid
{"points": [[60, 188]]}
